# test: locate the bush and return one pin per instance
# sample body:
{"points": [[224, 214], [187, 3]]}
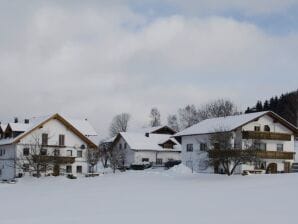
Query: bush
{"points": [[71, 176], [137, 166], [172, 163]]}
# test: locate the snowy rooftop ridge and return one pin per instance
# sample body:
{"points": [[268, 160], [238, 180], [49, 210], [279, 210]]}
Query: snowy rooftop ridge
{"points": [[228, 123], [139, 141]]}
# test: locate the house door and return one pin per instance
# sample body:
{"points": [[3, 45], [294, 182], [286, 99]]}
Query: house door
{"points": [[56, 170], [272, 168], [287, 167]]}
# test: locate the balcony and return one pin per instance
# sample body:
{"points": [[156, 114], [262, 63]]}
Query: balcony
{"points": [[256, 153], [53, 159], [276, 155], [266, 135]]}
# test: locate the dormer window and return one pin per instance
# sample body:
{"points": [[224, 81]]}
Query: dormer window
{"points": [[266, 128]]}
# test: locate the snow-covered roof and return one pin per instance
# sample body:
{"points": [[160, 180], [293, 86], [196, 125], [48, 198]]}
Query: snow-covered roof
{"points": [[3, 127], [83, 126], [154, 130], [138, 141], [212, 125], [19, 127], [109, 140]]}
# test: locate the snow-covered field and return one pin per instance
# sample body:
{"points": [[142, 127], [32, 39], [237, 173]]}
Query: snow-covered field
{"points": [[151, 197]]}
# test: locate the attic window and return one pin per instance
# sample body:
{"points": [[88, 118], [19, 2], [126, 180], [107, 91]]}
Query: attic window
{"points": [[266, 128], [257, 128], [83, 146]]}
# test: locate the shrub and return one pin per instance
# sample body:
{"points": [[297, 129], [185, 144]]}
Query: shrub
{"points": [[137, 166], [172, 163], [71, 176]]}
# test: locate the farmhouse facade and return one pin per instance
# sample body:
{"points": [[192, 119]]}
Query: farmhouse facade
{"points": [[60, 141], [269, 134], [151, 145]]}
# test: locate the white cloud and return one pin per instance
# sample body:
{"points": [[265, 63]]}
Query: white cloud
{"points": [[251, 7], [97, 62]]}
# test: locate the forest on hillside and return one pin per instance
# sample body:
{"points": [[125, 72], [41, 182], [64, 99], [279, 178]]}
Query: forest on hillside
{"points": [[285, 105]]}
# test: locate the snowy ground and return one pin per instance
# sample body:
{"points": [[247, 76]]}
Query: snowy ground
{"points": [[151, 197]]}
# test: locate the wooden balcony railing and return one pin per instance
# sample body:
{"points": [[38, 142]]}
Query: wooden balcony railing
{"points": [[53, 159], [217, 153], [266, 135], [276, 155]]}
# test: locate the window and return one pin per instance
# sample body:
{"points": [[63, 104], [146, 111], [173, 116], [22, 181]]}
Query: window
{"points": [[203, 147], [279, 147], [61, 140], [159, 161], [26, 151], [79, 169], [69, 153], [120, 146], [43, 152], [261, 146], [125, 145], [257, 128], [145, 159], [2, 152], [266, 128], [68, 169], [44, 139], [80, 153], [189, 147], [56, 152], [83, 146], [0, 172]]}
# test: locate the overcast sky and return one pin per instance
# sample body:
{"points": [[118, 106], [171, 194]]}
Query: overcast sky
{"points": [[95, 59]]}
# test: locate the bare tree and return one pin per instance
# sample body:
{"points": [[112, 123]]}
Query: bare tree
{"points": [[217, 108], [36, 159], [92, 156], [223, 154], [155, 117], [104, 148], [116, 158], [188, 116], [173, 122], [119, 124]]}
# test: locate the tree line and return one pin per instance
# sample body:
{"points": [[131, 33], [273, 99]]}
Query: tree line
{"points": [[183, 118], [285, 105]]}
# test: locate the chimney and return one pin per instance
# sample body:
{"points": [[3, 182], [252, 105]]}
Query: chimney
{"points": [[16, 120], [147, 134], [26, 121]]}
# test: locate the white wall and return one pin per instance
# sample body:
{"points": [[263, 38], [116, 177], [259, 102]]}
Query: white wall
{"points": [[7, 164], [195, 160]]}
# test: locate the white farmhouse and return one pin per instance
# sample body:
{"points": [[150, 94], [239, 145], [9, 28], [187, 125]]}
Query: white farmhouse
{"points": [[266, 131], [64, 141], [151, 145]]}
